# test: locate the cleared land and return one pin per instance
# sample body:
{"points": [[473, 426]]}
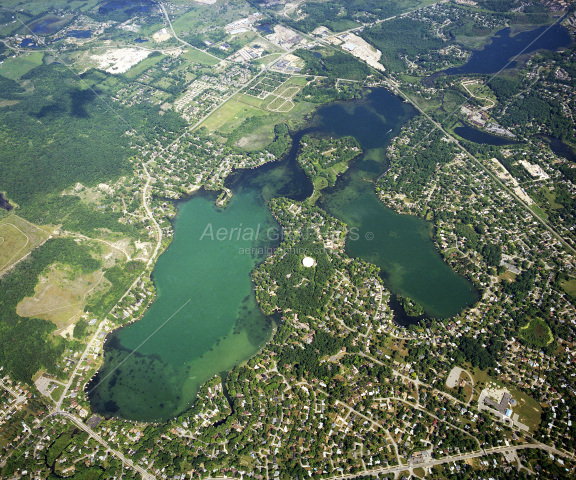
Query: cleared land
{"points": [[61, 295], [62, 292], [18, 238], [196, 56], [144, 65]]}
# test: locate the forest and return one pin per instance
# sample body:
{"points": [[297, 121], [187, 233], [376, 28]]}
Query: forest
{"points": [[324, 90], [478, 355], [340, 15], [26, 344], [334, 65], [50, 136], [296, 287], [401, 37], [324, 158], [306, 362], [532, 108]]}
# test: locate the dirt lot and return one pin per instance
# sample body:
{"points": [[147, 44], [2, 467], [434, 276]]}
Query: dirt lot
{"points": [[120, 60]]}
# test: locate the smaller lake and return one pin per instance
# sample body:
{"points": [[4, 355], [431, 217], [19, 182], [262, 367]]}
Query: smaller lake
{"points": [[560, 148], [5, 204], [502, 47], [478, 136], [266, 28], [79, 33], [28, 43]]}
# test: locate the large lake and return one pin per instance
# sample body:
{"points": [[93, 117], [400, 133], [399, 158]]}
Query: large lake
{"points": [[502, 50], [205, 319]]}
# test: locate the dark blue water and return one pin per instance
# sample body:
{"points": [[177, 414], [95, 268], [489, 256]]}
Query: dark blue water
{"points": [[79, 33], [401, 245], [46, 26], [265, 28], [27, 43], [560, 148], [497, 54], [141, 40], [478, 136]]}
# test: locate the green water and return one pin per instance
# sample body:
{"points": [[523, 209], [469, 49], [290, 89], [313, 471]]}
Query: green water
{"points": [[401, 245], [205, 319]]}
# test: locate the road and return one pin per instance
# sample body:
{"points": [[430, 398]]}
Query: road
{"points": [[394, 88], [378, 22], [90, 345], [184, 42], [126, 461], [145, 203]]}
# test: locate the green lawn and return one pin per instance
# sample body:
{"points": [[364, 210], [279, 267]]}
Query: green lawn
{"points": [[551, 197], [230, 115], [569, 286], [538, 211], [528, 409]]}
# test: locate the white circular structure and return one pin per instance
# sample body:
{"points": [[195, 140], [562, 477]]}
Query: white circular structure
{"points": [[308, 262]]}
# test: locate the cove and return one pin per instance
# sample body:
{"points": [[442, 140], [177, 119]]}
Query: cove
{"points": [[205, 319], [502, 48]]}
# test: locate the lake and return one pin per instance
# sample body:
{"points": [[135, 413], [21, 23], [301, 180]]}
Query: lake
{"points": [[502, 48], [560, 148], [478, 136], [401, 245], [205, 319]]}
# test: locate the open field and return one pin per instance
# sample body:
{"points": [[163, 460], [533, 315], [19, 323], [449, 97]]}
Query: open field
{"points": [[551, 197], [230, 115], [61, 295], [196, 56], [18, 238], [529, 410], [14, 68], [144, 65], [569, 286]]}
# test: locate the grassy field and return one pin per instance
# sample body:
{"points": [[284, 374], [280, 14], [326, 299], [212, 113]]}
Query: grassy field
{"points": [[551, 197], [62, 292], [61, 295], [17, 239], [529, 410], [569, 286], [196, 56], [144, 65], [538, 211], [57, 392], [14, 68], [230, 115]]}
